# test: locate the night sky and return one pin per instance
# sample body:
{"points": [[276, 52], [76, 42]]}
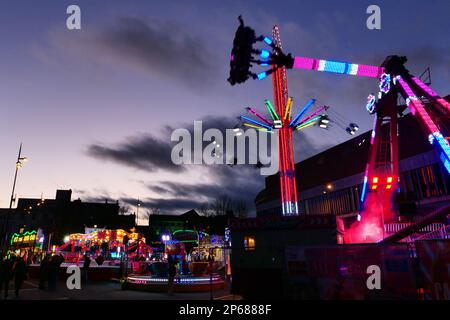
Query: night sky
{"points": [[95, 107]]}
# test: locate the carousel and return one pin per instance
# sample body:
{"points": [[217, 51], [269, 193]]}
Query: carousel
{"points": [[199, 258]]}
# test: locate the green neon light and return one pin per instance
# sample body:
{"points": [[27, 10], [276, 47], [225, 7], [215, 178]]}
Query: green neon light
{"points": [[272, 112], [188, 230], [16, 235], [307, 123]]}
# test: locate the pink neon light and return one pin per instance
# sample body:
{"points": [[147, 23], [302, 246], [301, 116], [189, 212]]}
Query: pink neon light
{"points": [[369, 71], [419, 107], [313, 114], [426, 88], [432, 93], [260, 116], [304, 63]]}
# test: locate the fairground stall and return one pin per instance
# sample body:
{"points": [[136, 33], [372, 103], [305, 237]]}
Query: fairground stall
{"points": [[199, 258], [27, 243], [104, 245]]}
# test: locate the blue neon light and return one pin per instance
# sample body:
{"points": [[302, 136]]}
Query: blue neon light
{"points": [[370, 103], [264, 64], [445, 155], [363, 192], [336, 67], [301, 113], [268, 40], [256, 122], [264, 54], [446, 162], [385, 83], [262, 75]]}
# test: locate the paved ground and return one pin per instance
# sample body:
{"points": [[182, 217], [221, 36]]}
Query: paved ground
{"points": [[106, 291]]}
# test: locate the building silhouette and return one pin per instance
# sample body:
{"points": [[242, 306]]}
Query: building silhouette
{"points": [[62, 216]]}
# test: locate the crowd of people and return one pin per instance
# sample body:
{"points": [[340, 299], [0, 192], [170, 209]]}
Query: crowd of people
{"points": [[15, 267], [12, 267], [49, 272]]}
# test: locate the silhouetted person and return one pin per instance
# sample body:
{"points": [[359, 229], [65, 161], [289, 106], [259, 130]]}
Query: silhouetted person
{"points": [[2, 273], [20, 273], [52, 273], [43, 272], [8, 273], [86, 264], [172, 273]]}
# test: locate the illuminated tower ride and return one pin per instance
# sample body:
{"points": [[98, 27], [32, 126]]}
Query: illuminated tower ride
{"points": [[381, 178], [282, 121], [288, 186]]}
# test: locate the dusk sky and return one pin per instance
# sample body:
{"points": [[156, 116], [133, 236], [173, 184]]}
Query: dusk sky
{"points": [[95, 107]]}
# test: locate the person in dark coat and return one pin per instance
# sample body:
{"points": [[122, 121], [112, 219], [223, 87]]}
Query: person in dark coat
{"points": [[172, 272], [20, 273], [86, 264], [7, 273], [53, 272], [2, 273], [43, 272]]}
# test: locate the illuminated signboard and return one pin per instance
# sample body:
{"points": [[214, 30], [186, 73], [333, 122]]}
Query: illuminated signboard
{"points": [[26, 238]]}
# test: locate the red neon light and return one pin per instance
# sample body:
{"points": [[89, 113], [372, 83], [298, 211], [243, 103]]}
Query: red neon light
{"points": [[374, 187], [375, 180], [389, 180], [285, 152], [388, 187]]}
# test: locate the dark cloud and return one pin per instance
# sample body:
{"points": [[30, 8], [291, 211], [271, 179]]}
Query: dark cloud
{"points": [[163, 49], [145, 153], [238, 182], [167, 205]]}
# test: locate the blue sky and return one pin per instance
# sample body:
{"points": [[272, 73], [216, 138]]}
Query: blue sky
{"points": [[84, 103]]}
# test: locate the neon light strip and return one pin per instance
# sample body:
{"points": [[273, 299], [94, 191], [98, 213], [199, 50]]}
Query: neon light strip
{"points": [[299, 128], [366, 173], [262, 75], [257, 128], [142, 280], [417, 105], [313, 114], [302, 112], [252, 126], [363, 192], [260, 116], [307, 123], [271, 110], [432, 93], [446, 162], [189, 230], [288, 111], [16, 235], [256, 122], [360, 70]]}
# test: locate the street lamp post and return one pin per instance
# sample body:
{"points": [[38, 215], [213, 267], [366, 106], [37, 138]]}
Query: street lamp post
{"points": [[19, 164], [137, 222]]}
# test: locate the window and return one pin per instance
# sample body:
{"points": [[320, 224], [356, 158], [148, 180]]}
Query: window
{"points": [[249, 243]]}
